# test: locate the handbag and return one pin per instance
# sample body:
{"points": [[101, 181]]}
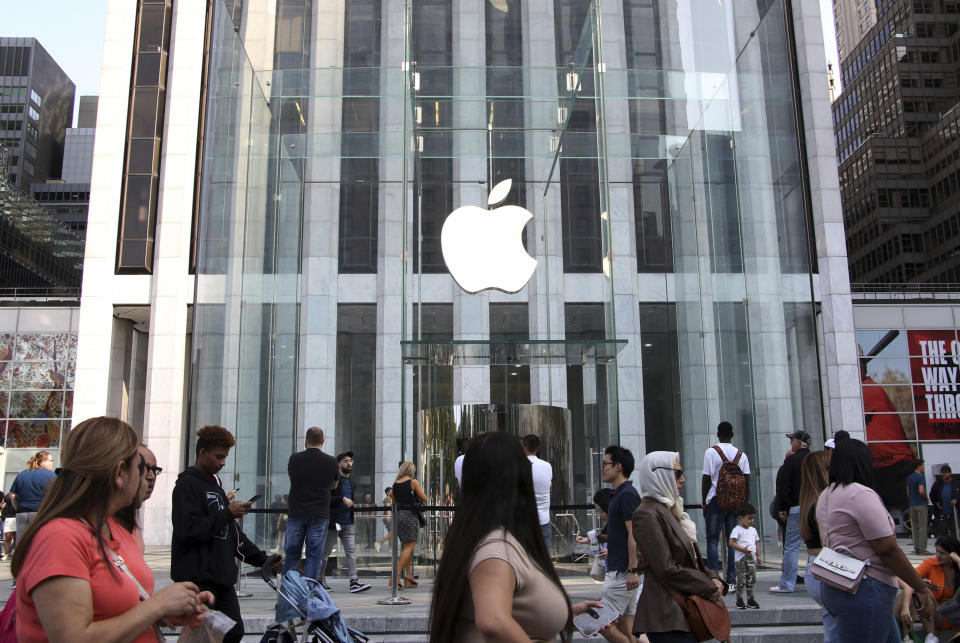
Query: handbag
{"points": [[417, 503], [841, 571], [8, 620], [707, 620], [597, 570]]}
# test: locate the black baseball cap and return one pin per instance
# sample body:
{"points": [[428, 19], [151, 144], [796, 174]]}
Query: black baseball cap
{"points": [[841, 435], [345, 454], [801, 435]]}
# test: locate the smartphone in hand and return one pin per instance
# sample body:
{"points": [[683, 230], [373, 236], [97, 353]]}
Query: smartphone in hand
{"points": [[255, 498], [595, 619]]}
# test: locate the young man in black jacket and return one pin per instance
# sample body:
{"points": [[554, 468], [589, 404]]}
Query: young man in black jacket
{"points": [[206, 537]]}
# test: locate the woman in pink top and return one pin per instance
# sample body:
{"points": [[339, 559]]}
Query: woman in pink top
{"points": [[852, 518], [496, 580], [71, 584]]}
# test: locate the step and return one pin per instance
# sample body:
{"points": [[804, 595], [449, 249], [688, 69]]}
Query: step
{"points": [[805, 634]]}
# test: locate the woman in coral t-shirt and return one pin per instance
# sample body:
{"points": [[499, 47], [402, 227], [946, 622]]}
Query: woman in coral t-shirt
{"points": [[70, 584]]}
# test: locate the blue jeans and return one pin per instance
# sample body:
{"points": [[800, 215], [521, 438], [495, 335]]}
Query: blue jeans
{"points": [[720, 521], [314, 532], [547, 531], [815, 589], [864, 616], [791, 551]]}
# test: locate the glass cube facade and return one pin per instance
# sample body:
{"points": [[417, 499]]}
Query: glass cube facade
{"points": [[657, 144]]}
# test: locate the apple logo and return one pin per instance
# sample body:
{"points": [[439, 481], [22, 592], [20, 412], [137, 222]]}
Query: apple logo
{"points": [[484, 249]]}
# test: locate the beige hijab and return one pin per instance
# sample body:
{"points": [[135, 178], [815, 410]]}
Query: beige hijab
{"points": [[658, 481]]}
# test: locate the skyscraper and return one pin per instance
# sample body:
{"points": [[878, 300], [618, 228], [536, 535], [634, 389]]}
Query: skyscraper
{"points": [[36, 107], [853, 19], [897, 145]]}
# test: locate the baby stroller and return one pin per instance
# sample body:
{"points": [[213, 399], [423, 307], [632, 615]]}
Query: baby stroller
{"points": [[305, 598]]}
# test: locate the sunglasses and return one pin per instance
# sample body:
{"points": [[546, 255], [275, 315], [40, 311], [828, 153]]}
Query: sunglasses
{"points": [[156, 470], [678, 473]]}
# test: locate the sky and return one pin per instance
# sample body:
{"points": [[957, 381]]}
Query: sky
{"points": [[72, 31]]}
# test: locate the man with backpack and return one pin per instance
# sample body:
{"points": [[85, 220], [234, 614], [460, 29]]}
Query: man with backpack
{"points": [[724, 486]]}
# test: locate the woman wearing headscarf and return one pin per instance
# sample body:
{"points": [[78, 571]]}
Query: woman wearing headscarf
{"points": [[667, 546]]}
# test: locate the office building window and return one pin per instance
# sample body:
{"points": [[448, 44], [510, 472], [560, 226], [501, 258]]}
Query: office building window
{"points": [[141, 172]]}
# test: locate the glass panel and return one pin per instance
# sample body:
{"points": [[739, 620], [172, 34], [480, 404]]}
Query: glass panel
{"points": [[37, 434], [147, 115], [661, 377], [356, 388], [509, 382], [149, 69], [143, 156], [139, 194]]}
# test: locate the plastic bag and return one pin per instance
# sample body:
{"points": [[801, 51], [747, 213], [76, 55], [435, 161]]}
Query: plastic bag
{"points": [[213, 626]]}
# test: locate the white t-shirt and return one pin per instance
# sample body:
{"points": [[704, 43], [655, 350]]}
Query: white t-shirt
{"points": [[745, 538], [458, 468], [712, 464], [542, 481]]}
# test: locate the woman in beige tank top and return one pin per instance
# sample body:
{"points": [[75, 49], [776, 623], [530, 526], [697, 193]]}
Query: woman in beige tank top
{"points": [[496, 579]]}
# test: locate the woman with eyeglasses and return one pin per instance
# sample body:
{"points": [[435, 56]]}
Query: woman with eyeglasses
{"points": [[127, 517], [667, 546], [80, 575]]}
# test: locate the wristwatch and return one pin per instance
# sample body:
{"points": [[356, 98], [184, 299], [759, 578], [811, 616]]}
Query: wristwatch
{"points": [[634, 570]]}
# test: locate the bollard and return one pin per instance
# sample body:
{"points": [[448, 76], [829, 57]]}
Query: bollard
{"points": [[395, 598]]}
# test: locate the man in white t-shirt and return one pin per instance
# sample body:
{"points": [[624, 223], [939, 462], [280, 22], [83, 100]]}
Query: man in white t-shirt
{"points": [[462, 444], [542, 482], [718, 519]]}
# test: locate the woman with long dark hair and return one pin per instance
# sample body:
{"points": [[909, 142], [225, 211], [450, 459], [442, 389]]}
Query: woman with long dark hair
{"points": [[852, 518], [495, 579], [80, 575]]}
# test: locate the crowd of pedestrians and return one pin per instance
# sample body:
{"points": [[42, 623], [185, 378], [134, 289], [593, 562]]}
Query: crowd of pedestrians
{"points": [[80, 572]]}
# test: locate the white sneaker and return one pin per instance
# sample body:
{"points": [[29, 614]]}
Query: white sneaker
{"points": [[376, 546], [776, 589]]}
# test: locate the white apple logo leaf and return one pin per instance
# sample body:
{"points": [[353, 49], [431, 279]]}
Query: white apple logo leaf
{"points": [[484, 248], [499, 192]]}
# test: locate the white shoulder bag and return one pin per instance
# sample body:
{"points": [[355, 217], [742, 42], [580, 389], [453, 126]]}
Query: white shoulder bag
{"points": [[837, 569]]}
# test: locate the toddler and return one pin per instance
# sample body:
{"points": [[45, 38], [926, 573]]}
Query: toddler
{"points": [[744, 540]]}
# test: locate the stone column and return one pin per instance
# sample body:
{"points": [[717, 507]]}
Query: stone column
{"points": [[840, 370], [170, 293], [471, 313]]}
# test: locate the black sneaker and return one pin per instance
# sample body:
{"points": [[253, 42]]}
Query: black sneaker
{"points": [[740, 605], [323, 584], [357, 586], [752, 604]]}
